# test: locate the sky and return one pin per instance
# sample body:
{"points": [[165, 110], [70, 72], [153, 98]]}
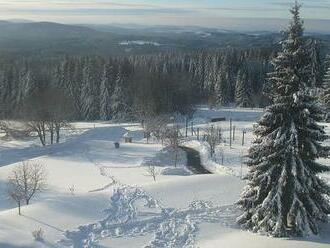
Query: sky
{"points": [[229, 14]]}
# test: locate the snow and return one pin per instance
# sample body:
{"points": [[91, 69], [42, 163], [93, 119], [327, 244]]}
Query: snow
{"points": [[204, 150], [139, 43], [203, 34], [178, 210], [204, 114]]}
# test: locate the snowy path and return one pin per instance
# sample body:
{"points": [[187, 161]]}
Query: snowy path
{"points": [[194, 163]]}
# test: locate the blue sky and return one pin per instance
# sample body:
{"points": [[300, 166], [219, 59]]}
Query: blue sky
{"points": [[258, 14]]}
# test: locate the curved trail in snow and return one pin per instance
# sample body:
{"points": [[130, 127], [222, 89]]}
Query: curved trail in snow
{"points": [[105, 170], [194, 163]]}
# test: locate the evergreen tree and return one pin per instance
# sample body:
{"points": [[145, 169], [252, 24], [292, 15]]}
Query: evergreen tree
{"points": [[8, 91], [284, 196], [178, 79], [105, 102], [14, 102], [119, 100], [29, 83], [200, 72], [222, 90], [230, 65], [20, 94], [316, 68], [90, 93], [326, 86], [243, 90], [78, 74]]}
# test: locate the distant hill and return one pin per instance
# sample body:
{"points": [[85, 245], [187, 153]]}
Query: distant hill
{"points": [[47, 38], [50, 38]]}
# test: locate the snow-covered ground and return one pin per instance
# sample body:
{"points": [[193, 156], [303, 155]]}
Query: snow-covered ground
{"points": [[99, 196]]}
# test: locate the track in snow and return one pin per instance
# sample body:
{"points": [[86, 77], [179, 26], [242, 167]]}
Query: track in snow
{"points": [[171, 228], [194, 163]]}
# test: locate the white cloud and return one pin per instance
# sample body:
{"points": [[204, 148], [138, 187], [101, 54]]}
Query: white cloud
{"points": [[217, 13]]}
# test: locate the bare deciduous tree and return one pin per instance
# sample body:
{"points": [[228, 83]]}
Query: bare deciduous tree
{"points": [[152, 171], [15, 193], [174, 140], [59, 117], [25, 181], [44, 113], [213, 136], [39, 126], [155, 125]]}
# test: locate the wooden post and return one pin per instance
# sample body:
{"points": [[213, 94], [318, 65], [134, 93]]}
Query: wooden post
{"points": [[241, 169], [192, 128], [198, 133], [211, 141], [243, 137], [234, 133], [230, 132], [187, 127], [241, 165]]}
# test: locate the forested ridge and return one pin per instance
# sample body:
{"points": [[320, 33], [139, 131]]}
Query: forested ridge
{"points": [[128, 86]]}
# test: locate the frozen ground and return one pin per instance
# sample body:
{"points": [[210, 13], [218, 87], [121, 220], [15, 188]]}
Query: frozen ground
{"points": [[116, 204]]}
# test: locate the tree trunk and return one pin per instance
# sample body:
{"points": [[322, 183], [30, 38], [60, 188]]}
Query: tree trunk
{"points": [[176, 156], [19, 208], [41, 138], [187, 123], [57, 134], [44, 133], [51, 134], [147, 134]]}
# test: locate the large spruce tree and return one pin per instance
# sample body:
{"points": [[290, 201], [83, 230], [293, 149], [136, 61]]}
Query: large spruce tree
{"points": [[222, 89], [284, 196], [106, 86], [326, 87], [90, 92], [120, 108], [243, 90]]}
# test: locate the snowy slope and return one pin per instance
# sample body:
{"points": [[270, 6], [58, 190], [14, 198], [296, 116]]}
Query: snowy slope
{"points": [[181, 210]]}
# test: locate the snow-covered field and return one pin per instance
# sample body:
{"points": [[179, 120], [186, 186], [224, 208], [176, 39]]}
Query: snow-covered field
{"points": [[99, 196]]}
